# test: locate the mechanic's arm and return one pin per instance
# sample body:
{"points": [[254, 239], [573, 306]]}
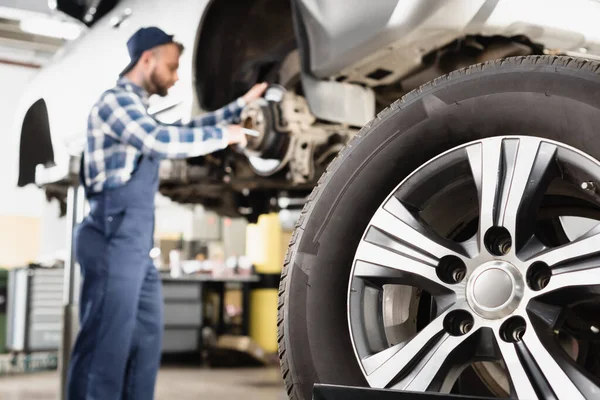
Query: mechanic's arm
{"points": [[229, 113], [132, 124]]}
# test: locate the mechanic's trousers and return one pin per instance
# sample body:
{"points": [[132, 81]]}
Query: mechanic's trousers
{"points": [[117, 351]]}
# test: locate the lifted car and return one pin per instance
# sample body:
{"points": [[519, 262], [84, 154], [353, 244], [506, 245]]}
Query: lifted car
{"points": [[340, 63]]}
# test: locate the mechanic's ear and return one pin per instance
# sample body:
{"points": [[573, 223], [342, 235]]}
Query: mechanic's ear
{"points": [[148, 58]]}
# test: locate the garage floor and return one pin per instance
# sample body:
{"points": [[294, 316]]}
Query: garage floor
{"points": [[173, 383]]}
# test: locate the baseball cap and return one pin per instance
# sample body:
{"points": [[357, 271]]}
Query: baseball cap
{"points": [[144, 39]]}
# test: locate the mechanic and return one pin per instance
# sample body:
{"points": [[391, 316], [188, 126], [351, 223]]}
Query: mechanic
{"points": [[118, 348]]}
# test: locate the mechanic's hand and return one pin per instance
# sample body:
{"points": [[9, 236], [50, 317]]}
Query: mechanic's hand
{"points": [[235, 135], [256, 91]]}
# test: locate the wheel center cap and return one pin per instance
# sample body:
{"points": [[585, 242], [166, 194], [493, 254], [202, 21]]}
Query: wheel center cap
{"points": [[495, 289]]}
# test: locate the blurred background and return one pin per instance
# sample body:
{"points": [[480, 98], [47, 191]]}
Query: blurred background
{"points": [[208, 328]]}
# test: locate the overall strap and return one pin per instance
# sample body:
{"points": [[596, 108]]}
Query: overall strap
{"points": [[82, 174]]}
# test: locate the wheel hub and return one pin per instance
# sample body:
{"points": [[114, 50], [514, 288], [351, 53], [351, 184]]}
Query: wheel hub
{"points": [[268, 152], [495, 289]]}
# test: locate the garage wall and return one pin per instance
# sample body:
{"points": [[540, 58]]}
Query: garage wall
{"points": [[20, 208], [14, 201], [53, 231], [194, 223]]}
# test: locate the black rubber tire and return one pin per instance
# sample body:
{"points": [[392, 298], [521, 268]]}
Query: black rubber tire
{"points": [[552, 97]]}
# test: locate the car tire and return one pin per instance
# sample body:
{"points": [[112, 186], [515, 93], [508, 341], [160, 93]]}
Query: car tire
{"points": [[557, 98]]}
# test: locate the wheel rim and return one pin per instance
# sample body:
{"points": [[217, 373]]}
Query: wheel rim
{"points": [[502, 294]]}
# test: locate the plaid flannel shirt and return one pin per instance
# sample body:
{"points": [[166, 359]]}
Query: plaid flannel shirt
{"points": [[120, 130]]}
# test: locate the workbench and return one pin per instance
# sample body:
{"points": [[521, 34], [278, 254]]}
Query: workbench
{"points": [[184, 311], [34, 309]]}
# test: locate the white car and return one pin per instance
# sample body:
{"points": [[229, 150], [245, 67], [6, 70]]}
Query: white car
{"points": [[431, 255]]}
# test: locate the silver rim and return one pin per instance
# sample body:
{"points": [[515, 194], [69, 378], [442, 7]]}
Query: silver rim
{"points": [[503, 293]]}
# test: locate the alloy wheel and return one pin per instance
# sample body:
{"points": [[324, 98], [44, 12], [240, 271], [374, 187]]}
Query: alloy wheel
{"points": [[492, 286]]}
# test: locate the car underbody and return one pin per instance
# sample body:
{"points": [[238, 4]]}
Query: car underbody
{"points": [[294, 146]]}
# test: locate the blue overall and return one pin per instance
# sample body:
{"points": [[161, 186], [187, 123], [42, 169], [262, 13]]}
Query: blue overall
{"points": [[117, 351]]}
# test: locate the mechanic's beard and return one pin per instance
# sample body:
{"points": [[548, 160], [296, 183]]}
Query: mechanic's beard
{"points": [[158, 87]]}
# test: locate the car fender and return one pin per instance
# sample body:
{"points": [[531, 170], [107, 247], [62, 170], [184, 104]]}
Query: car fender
{"points": [[81, 71]]}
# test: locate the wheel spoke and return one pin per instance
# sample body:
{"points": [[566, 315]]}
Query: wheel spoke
{"points": [[487, 175], [583, 247], [388, 365], [412, 365], [375, 361], [427, 371], [380, 265], [398, 249], [409, 236], [517, 374], [542, 369], [584, 273], [573, 264], [511, 176]]}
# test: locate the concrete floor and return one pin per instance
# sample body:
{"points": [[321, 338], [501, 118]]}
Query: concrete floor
{"points": [[173, 383]]}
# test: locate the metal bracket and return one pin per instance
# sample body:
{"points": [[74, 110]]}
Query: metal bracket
{"points": [[357, 108], [301, 164], [337, 392]]}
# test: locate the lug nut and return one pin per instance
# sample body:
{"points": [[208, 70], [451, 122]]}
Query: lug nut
{"points": [[538, 276], [458, 322], [498, 241], [451, 270], [513, 329], [518, 333], [589, 186], [458, 275], [466, 326]]}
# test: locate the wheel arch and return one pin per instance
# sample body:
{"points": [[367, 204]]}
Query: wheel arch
{"points": [[239, 43], [35, 144]]}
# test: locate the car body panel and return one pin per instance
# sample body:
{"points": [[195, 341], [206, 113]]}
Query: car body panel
{"points": [[397, 33], [86, 67]]}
